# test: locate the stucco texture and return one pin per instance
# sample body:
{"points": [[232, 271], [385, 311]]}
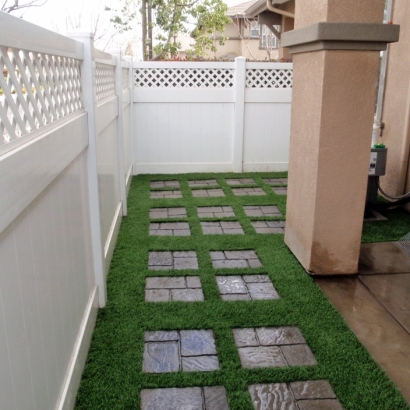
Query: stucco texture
{"points": [[332, 116], [396, 135]]}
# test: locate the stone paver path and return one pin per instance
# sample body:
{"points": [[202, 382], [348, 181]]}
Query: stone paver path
{"points": [[203, 182], [246, 287], [172, 260], [165, 194], [169, 229], [215, 211], [164, 184], [280, 190], [188, 398], [240, 181], [272, 347], [269, 226], [222, 228], [306, 395], [248, 191], [203, 193], [165, 289], [262, 210], [166, 213], [276, 181], [235, 259], [186, 350]]}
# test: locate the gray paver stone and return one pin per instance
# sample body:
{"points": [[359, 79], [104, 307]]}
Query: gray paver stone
{"points": [[188, 398], [161, 357], [241, 255], [270, 230], [160, 259], [184, 254], [187, 295], [198, 193], [231, 284], [174, 225], [215, 192], [157, 295], [185, 263], [153, 226], [262, 356], [312, 389], [272, 397], [174, 212], [161, 336], [235, 296], [245, 337], [262, 291], [165, 282], [215, 398], [217, 255], [161, 232], [254, 212], [158, 214], [298, 355], [231, 225], [256, 278], [200, 364], [254, 263], [197, 342], [159, 267], [319, 405], [212, 230], [182, 232], [223, 264], [193, 282], [233, 231], [286, 335]]}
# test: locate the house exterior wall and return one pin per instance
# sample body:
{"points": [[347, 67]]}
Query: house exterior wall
{"points": [[396, 135]]}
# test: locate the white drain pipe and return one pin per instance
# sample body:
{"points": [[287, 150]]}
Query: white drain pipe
{"points": [[278, 11]]}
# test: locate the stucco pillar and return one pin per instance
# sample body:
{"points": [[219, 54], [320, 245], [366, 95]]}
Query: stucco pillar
{"points": [[334, 89]]}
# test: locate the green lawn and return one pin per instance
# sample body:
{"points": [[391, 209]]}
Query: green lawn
{"points": [[113, 376]]}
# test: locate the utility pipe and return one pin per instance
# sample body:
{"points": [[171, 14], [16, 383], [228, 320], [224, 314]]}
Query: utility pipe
{"points": [[382, 78], [278, 11]]}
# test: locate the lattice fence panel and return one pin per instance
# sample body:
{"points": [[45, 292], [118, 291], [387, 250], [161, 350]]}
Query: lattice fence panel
{"points": [[183, 78], [36, 89], [125, 73], [104, 80], [268, 78]]}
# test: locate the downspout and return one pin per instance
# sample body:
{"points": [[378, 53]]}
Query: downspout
{"points": [[378, 123], [278, 11]]}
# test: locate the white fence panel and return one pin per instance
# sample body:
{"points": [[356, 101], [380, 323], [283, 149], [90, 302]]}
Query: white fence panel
{"points": [[186, 121]]}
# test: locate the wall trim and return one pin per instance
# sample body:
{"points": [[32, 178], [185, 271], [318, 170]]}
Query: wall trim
{"points": [[340, 36], [112, 238], [79, 355], [128, 179]]}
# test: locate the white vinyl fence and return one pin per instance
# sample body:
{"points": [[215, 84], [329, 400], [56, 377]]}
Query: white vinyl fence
{"points": [[65, 168], [211, 117]]}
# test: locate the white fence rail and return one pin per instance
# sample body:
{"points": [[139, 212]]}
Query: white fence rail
{"points": [[211, 117], [64, 119]]}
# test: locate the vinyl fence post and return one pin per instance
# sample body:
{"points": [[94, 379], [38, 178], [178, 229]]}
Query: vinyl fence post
{"points": [[89, 96], [240, 77], [132, 111], [120, 129]]}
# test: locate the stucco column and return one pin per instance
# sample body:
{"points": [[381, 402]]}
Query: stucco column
{"points": [[336, 60]]}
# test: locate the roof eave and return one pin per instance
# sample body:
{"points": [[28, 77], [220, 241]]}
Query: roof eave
{"points": [[259, 7]]}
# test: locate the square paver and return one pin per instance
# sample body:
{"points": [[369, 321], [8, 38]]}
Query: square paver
{"points": [[175, 194], [186, 350], [272, 347], [203, 182], [269, 226], [164, 184], [262, 210], [280, 190], [248, 191], [222, 228], [235, 259], [276, 181], [207, 193], [246, 287], [192, 398], [167, 213], [306, 395], [172, 260], [215, 212], [169, 229], [166, 289], [240, 181]]}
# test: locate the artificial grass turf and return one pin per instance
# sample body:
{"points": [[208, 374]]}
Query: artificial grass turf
{"points": [[113, 376]]}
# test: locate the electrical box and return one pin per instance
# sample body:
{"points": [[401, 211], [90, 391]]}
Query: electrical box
{"points": [[378, 158]]}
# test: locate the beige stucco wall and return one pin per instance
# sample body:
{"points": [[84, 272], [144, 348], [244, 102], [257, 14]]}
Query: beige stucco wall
{"points": [[352, 11], [396, 134]]}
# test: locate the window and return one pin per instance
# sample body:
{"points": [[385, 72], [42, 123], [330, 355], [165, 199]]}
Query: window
{"points": [[254, 29], [268, 39]]}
